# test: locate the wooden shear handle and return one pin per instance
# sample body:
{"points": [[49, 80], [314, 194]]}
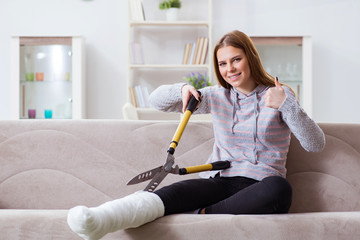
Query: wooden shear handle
{"points": [[179, 131]]}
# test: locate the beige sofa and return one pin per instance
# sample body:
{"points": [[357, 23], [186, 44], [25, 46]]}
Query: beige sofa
{"points": [[49, 166]]}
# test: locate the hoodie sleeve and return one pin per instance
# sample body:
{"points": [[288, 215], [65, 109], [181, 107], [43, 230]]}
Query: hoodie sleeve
{"points": [[309, 134], [167, 98]]}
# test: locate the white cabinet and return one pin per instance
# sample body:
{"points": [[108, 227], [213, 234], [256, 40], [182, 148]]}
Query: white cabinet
{"points": [[157, 47], [47, 78], [289, 58]]}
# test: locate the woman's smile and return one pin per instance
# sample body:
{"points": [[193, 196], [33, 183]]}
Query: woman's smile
{"points": [[234, 77]]}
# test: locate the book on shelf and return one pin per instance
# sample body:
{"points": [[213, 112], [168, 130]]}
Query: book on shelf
{"points": [[133, 97], [187, 53], [192, 53], [137, 10], [204, 51], [136, 53], [146, 95], [201, 45], [196, 52], [140, 96]]}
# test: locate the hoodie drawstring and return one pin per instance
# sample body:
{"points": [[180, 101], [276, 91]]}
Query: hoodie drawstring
{"points": [[234, 112], [256, 114]]}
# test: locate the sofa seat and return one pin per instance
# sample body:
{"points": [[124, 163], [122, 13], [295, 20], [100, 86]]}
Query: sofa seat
{"points": [[51, 224]]}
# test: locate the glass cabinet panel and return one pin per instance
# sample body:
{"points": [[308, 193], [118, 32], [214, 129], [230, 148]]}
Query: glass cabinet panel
{"points": [[45, 78], [48, 76]]}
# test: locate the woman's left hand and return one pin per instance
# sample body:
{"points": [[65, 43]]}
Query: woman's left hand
{"points": [[275, 96]]}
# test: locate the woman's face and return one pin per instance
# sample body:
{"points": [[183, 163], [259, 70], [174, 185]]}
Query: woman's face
{"points": [[234, 68]]}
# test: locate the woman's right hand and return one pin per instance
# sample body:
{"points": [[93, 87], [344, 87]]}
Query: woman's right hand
{"points": [[186, 92]]}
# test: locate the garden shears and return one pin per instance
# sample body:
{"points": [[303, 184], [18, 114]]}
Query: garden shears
{"points": [[158, 174]]}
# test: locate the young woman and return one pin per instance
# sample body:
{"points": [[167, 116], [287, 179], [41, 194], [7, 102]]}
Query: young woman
{"points": [[253, 118]]}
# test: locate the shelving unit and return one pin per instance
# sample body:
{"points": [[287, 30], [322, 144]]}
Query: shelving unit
{"points": [[162, 42], [162, 45], [289, 58], [48, 77]]}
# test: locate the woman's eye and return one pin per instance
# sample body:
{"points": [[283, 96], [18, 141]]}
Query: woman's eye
{"points": [[221, 64], [237, 59]]}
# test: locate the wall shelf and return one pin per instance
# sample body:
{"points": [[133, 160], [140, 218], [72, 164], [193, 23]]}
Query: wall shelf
{"points": [[168, 23], [168, 66]]}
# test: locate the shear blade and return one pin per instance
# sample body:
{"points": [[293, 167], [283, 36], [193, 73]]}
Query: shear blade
{"points": [[142, 177], [157, 179]]}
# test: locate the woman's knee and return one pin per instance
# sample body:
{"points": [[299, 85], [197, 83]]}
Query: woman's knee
{"points": [[279, 184], [282, 192]]}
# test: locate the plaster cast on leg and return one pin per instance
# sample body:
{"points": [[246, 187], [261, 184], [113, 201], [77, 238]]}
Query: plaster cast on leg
{"points": [[128, 212]]}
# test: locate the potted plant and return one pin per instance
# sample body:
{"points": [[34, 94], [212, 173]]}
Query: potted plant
{"points": [[198, 80], [172, 9]]}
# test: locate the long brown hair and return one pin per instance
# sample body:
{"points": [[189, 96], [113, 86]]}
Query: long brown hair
{"points": [[240, 40]]}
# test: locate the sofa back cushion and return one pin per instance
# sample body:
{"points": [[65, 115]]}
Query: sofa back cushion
{"points": [[329, 180], [58, 164]]}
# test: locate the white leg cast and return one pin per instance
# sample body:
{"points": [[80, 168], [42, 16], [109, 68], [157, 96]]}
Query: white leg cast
{"points": [[128, 212]]}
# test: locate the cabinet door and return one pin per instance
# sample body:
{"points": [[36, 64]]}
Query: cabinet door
{"points": [[43, 78], [289, 58]]}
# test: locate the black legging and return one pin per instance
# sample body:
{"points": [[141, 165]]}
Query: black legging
{"points": [[228, 195]]}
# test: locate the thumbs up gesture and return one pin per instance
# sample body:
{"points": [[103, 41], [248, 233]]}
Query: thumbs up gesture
{"points": [[275, 96]]}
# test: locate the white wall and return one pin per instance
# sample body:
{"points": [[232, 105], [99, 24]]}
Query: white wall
{"points": [[103, 24], [333, 25]]}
